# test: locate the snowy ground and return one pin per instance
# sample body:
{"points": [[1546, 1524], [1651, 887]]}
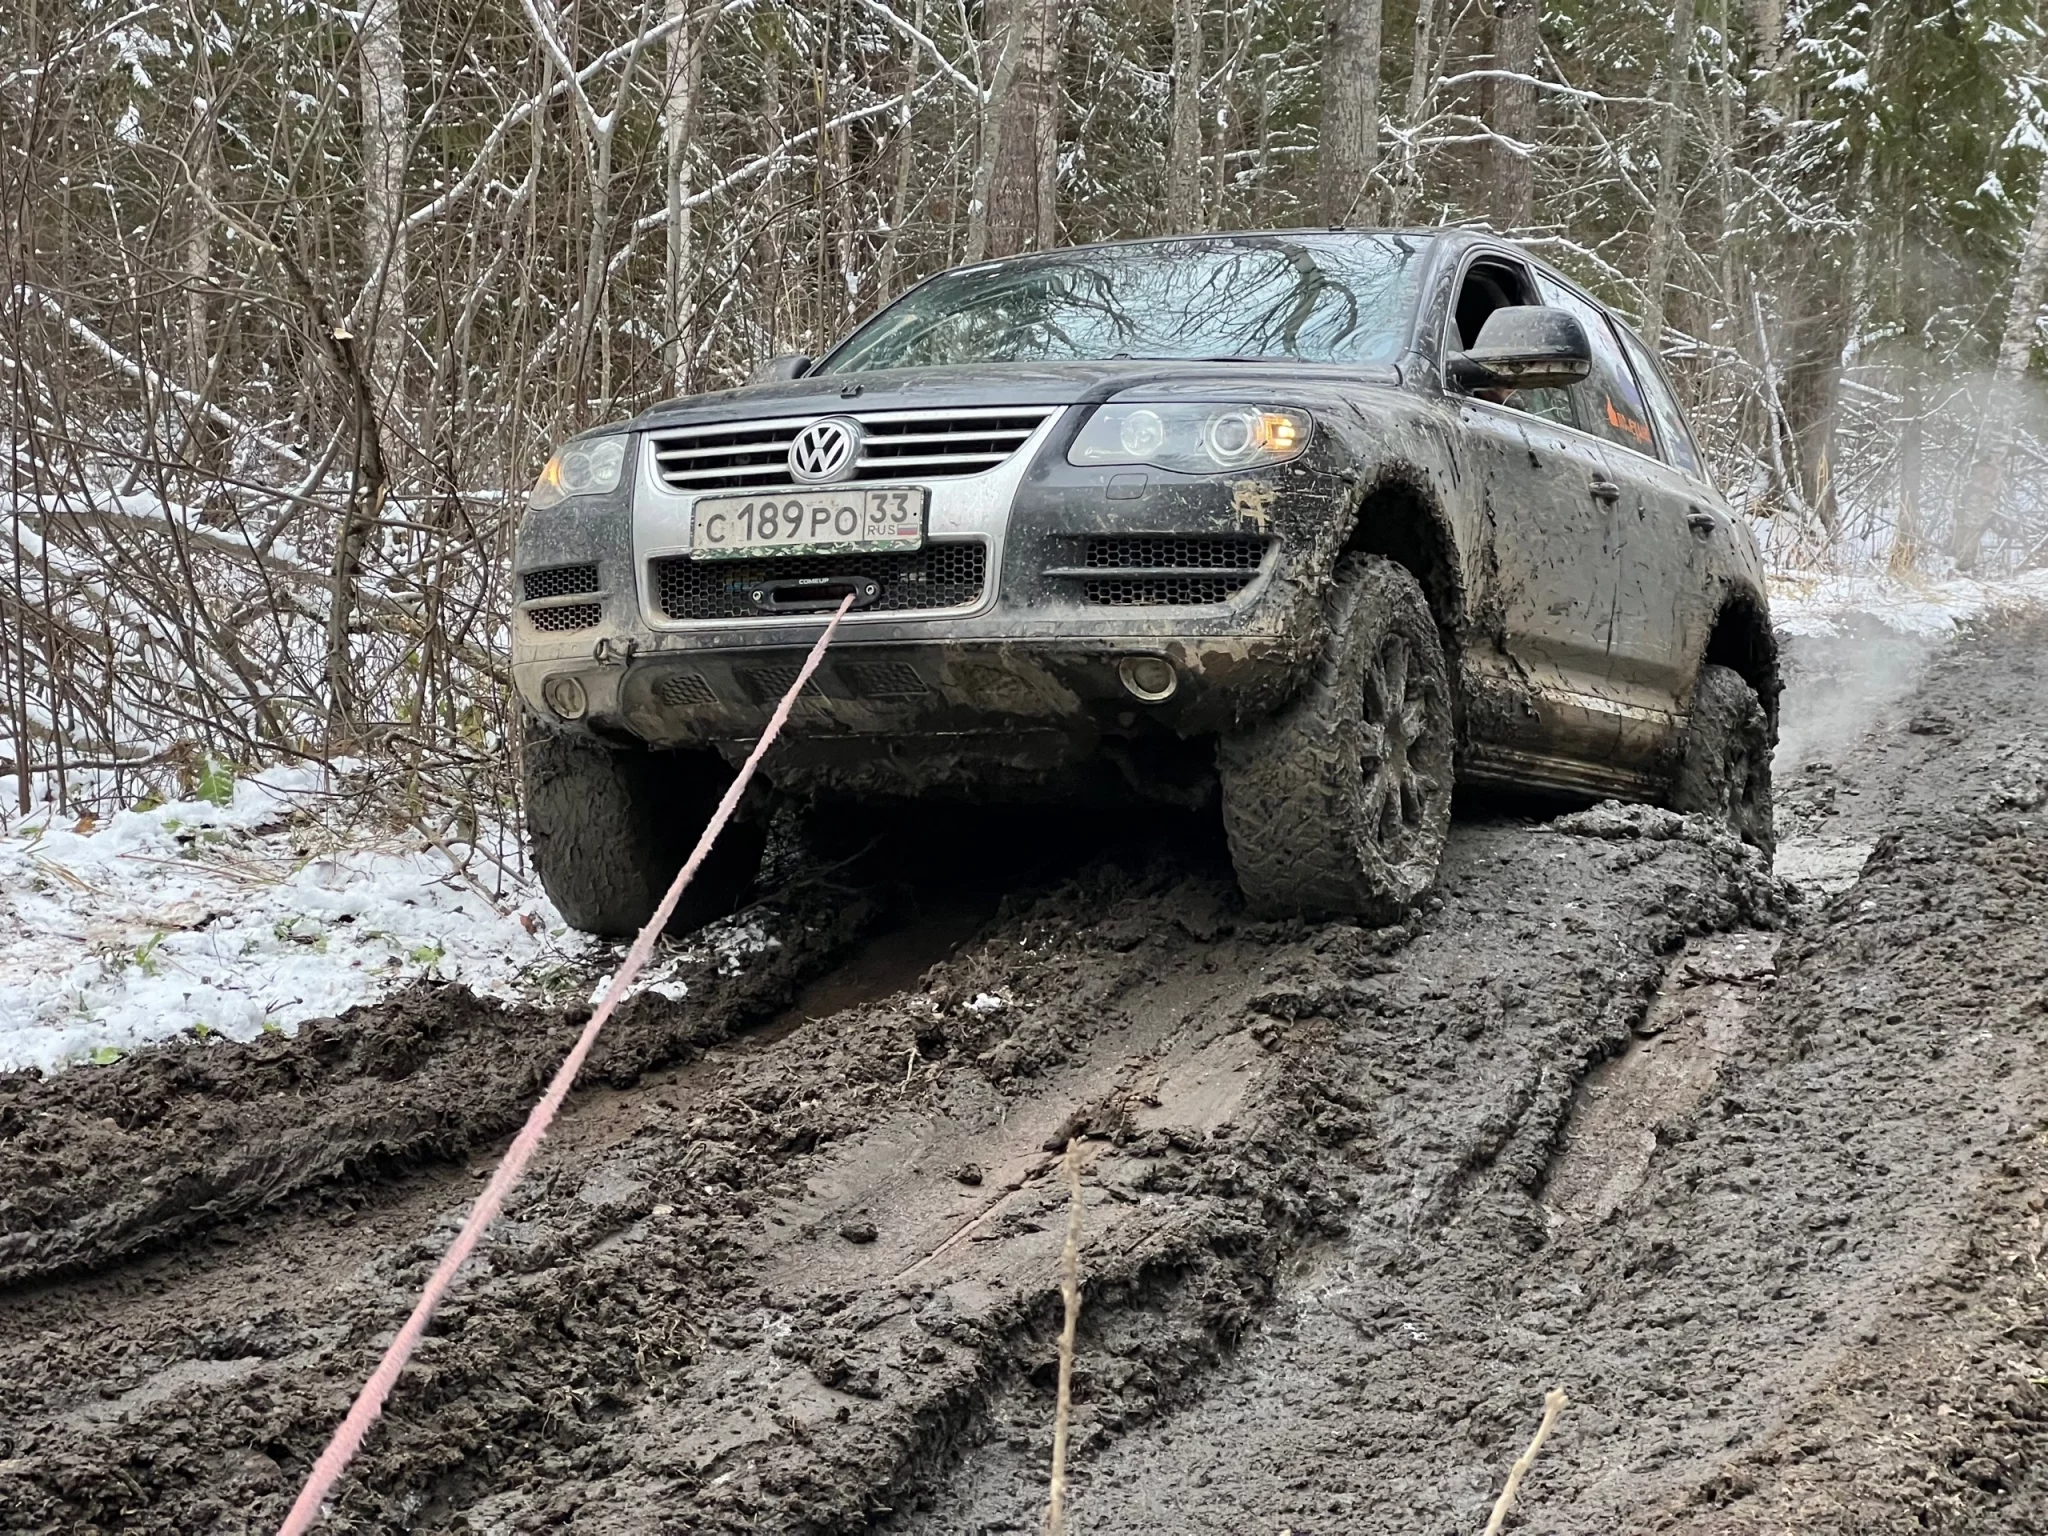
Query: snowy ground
{"points": [[1930, 607], [243, 916]]}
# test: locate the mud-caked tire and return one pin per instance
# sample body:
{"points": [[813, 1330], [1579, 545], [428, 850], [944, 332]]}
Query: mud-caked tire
{"points": [[1724, 766], [1340, 802], [611, 825]]}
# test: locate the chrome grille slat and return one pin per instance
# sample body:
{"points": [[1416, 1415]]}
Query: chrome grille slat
{"points": [[930, 444], [947, 437], [919, 460], [1163, 569]]}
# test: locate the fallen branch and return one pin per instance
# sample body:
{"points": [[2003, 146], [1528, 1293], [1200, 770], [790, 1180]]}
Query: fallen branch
{"points": [[144, 373]]}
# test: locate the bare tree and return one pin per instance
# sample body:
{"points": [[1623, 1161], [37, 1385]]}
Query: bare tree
{"points": [[1349, 150], [1421, 69], [1515, 36], [1016, 204], [1664, 217], [680, 76], [1184, 146]]}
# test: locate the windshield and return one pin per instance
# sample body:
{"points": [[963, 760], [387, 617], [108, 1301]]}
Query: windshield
{"points": [[1336, 298]]}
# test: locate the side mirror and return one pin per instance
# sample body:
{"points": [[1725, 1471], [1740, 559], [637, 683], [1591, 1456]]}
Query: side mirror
{"points": [[780, 370], [1524, 346]]}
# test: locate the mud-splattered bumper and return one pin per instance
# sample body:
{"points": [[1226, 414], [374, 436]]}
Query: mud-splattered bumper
{"points": [[1117, 623]]}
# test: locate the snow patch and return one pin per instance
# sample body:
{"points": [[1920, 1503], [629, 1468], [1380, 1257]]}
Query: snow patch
{"points": [[243, 916], [1931, 607]]}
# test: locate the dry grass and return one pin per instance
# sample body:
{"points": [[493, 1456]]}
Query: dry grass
{"points": [[1553, 1405], [1070, 1292]]}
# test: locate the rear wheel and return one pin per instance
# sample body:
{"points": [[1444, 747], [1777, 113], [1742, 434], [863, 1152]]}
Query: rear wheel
{"points": [[612, 825], [1724, 769], [1340, 802]]}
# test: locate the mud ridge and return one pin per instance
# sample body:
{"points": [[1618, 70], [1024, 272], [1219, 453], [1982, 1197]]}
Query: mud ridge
{"points": [[98, 1165]]}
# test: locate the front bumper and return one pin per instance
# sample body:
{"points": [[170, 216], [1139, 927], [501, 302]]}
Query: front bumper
{"points": [[1022, 685]]}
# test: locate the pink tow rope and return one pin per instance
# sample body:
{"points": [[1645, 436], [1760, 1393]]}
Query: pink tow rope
{"points": [[348, 1439]]}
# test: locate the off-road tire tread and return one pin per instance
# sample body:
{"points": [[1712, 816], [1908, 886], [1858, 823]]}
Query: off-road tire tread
{"points": [[611, 825], [1293, 801], [1727, 738]]}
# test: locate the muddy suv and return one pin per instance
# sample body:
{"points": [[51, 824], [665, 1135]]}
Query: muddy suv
{"points": [[1316, 524]]}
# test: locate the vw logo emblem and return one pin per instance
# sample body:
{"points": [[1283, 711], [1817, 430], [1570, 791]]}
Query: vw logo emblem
{"points": [[825, 450]]}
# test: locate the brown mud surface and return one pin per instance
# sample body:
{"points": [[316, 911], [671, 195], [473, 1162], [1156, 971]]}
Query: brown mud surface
{"points": [[1755, 1173]]}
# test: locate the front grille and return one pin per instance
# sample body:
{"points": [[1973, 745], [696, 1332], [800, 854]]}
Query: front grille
{"points": [[567, 616], [1165, 591], [937, 576], [1190, 554], [895, 446], [559, 581]]}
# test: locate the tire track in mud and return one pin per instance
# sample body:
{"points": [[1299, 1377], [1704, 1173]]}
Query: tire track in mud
{"points": [[1340, 1232], [1813, 1304], [825, 1266]]}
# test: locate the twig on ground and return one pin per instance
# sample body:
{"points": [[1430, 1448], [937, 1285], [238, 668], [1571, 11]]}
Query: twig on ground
{"points": [[1553, 1405], [460, 866], [1070, 1292]]}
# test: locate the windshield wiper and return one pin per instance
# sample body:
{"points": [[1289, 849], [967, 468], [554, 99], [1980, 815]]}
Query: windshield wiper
{"points": [[1220, 357]]}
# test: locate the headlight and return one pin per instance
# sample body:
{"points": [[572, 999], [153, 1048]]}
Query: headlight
{"points": [[589, 467], [1194, 439]]}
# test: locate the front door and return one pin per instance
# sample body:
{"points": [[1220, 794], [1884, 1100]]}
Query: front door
{"points": [[1655, 629], [1539, 704]]}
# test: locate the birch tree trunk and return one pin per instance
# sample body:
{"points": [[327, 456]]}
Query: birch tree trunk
{"points": [[1986, 485], [1907, 536], [1514, 113], [682, 70], [1351, 111], [1664, 219], [384, 155], [1184, 146], [1016, 206], [198, 262]]}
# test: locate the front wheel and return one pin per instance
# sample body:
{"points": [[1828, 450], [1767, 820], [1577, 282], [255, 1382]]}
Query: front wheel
{"points": [[611, 826], [1340, 802]]}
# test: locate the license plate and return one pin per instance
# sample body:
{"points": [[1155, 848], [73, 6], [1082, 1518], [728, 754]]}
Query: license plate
{"points": [[807, 523]]}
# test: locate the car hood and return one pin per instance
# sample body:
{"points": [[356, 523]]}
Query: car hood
{"points": [[1000, 384]]}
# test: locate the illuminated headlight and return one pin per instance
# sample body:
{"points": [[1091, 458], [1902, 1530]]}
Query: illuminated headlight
{"points": [[590, 466], [1193, 439]]}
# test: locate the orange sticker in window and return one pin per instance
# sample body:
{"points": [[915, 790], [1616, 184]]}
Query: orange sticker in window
{"points": [[1620, 419]]}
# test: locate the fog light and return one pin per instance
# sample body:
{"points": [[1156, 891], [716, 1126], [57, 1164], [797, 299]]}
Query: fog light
{"points": [[1150, 678], [565, 696]]}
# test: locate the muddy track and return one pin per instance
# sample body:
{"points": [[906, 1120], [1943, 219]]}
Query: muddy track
{"points": [[1758, 1179]]}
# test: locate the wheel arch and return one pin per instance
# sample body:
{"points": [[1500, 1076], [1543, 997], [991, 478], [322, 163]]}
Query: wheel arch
{"points": [[1742, 639], [1400, 519]]}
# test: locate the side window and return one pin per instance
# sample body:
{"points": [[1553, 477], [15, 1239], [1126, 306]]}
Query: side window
{"points": [[1487, 286], [1609, 403], [1678, 444]]}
